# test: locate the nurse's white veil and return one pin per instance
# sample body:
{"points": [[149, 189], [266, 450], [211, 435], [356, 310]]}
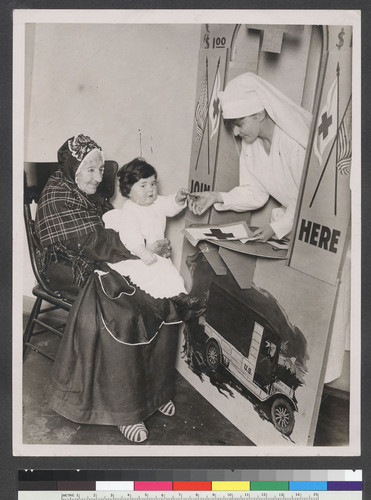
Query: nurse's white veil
{"points": [[248, 94]]}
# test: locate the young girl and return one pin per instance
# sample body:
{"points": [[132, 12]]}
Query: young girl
{"points": [[140, 223]]}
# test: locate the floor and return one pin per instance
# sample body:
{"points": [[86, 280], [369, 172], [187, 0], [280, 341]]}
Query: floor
{"points": [[195, 421]]}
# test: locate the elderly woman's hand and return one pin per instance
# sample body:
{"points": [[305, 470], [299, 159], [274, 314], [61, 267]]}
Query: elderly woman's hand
{"points": [[162, 248], [199, 202]]}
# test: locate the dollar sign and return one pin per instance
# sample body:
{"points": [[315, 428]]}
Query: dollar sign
{"points": [[207, 37], [341, 39]]}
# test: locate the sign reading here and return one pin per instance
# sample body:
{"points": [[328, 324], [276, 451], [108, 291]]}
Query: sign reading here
{"points": [[319, 235]]}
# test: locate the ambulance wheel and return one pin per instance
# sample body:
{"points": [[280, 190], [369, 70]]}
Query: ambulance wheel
{"points": [[283, 416], [213, 354]]}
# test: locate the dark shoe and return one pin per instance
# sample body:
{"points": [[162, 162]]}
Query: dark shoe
{"points": [[188, 307]]}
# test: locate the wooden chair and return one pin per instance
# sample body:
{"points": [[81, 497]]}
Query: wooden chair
{"points": [[35, 178]]}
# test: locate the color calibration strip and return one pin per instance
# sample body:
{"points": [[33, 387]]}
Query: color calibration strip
{"points": [[178, 481], [226, 486]]}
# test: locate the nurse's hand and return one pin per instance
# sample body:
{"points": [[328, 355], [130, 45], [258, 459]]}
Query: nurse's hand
{"points": [[161, 247], [263, 233], [198, 203]]}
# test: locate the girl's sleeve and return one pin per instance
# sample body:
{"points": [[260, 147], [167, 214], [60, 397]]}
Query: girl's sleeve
{"points": [[169, 206], [127, 226]]}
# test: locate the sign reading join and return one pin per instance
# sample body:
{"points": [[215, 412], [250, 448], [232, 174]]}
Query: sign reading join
{"points": [[197, 186]]}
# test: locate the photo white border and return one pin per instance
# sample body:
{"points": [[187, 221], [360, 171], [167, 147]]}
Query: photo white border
{"points": [[319, 17]]}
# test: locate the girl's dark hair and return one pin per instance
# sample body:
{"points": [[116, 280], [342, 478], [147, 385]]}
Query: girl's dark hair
{"points": [[132, 172]]}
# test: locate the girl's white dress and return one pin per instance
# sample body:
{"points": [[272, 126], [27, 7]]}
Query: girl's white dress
{"points": [[138, 225]]}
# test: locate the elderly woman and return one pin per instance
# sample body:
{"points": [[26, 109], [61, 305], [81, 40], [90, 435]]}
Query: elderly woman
{"points": [[116, 361], [69, 219], [274, 133]]}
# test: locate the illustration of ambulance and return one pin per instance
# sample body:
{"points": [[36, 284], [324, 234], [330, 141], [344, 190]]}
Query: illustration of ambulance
{"points": [[248, 345]]}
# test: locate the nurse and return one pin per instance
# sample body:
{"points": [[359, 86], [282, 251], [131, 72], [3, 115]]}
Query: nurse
{"points": [[274, 133]]}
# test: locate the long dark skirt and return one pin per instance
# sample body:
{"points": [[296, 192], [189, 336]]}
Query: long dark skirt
{"points": [[116, 361]]}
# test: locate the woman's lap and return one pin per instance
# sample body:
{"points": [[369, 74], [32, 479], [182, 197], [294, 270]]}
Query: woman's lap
{"points": [[106, 372]]}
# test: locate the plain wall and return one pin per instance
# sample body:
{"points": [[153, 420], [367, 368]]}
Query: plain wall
{"points": [[130, 87]]}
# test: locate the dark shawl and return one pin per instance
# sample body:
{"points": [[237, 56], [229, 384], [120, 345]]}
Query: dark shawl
{"points": [[69, 222], [69, 225], [64, 212]]}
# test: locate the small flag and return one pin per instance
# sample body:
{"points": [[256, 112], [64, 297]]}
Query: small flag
{"points": [[214, 110], [344, 159], [327, 123], [201, 108]]}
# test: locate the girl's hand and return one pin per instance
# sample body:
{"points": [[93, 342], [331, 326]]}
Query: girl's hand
{"points": [[181, 196], [161, 247], [264, 233], [148, 257]]}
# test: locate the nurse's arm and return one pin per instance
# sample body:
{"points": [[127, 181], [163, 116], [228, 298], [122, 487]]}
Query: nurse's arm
{"points": [[242, 199]]}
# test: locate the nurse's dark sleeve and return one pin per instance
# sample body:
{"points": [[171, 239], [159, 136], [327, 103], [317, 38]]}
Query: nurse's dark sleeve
{"points": [[102, 245]]}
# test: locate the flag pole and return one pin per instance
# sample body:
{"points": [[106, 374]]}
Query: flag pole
{"points": [[203, 125], [329, 155], [337, 138], [207, 122], [140, 141], [207, 114]]}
